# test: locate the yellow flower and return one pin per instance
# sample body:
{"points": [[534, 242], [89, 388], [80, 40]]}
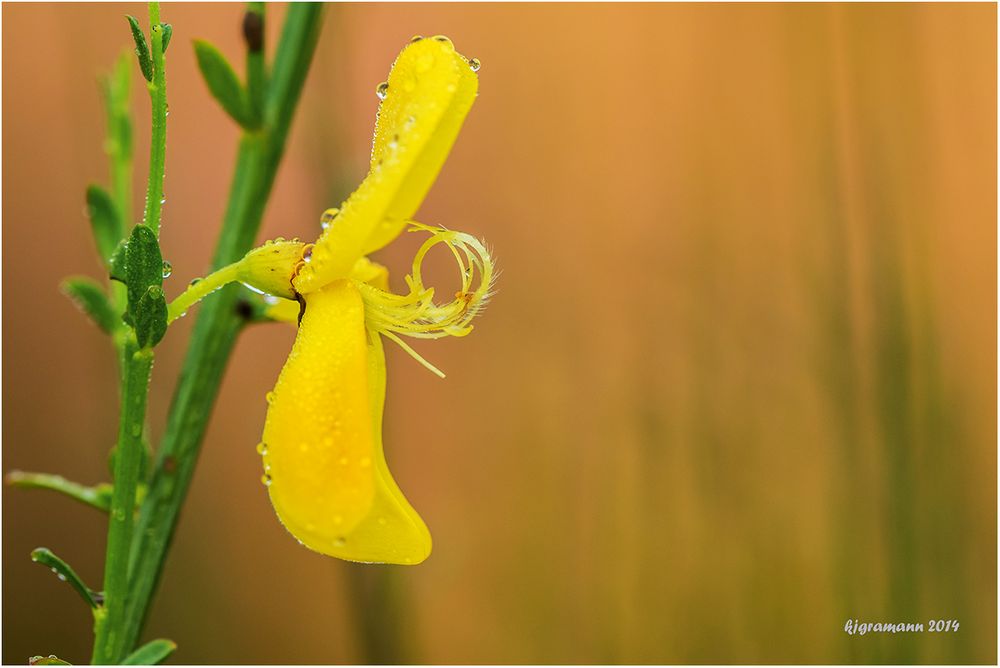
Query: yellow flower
{"points": [[322, 444]]}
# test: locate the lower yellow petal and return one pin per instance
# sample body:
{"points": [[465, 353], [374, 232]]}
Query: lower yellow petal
{"points": [[322, 446]]}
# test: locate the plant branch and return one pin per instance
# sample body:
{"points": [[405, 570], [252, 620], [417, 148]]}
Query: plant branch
{"points": [[121, 518], [158, 144], [219, 320]]}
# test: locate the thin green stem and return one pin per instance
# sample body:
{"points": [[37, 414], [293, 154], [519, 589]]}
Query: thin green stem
{"points": [[111, 620], [158, 142], [219, 320], [200, 289]]}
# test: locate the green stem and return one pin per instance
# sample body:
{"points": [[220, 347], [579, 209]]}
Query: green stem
{"points": [[220, 319], [158, 143], [200, 289], [111, 621]]}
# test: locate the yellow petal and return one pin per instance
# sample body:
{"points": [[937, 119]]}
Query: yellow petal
{"points": [[430, 90], [322, 445]]}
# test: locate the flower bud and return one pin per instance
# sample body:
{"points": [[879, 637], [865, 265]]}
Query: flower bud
{"points": [[271, 267]]}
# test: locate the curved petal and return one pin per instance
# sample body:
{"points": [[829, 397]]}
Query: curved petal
{"points": [[322, 446], [430, 90]]}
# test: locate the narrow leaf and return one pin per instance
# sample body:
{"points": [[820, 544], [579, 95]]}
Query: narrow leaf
{"points": [[141, 48], [105, 223], [116, 264], [143, 266], [223, 83], [45, 557], [50, 660], [168, 32], [91, 299], [151, 317], [150, 654], [98, 496]]}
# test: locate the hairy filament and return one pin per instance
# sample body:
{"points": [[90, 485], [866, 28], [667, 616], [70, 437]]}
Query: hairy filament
{"points": [[416, 314]]}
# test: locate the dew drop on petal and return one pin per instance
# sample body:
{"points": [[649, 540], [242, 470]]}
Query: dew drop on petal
{"points": [[266, 479], [382, 90], [269, 397], [474, 64], [327, 219], [262, 448]]}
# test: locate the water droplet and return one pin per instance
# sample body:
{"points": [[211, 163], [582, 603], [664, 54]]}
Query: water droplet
{"points": [[163, 200], [167, 269], [194, 281], [340, 541], [337, 519], [327, 218], [443, 39], [266, 479], [474, 64], [269, 397], [61, 577], [262, 448], [416, 38], [382, 90], [365, 462], [307, 253]]}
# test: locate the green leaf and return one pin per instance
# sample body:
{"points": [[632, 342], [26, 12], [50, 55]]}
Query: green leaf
{"points": [[150, 654], [143, 267], [64, 572], [168, 32], [105, 223], [116, 264], [98, 496], [50, 660], [91, 299], [151, 317], [223, 82], [141, 48]]}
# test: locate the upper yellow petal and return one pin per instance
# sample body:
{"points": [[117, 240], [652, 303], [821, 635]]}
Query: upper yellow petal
{"points": [[431, 88]]}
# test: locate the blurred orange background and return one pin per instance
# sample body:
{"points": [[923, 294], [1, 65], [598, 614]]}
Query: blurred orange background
{"points": [[738, 385]]}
